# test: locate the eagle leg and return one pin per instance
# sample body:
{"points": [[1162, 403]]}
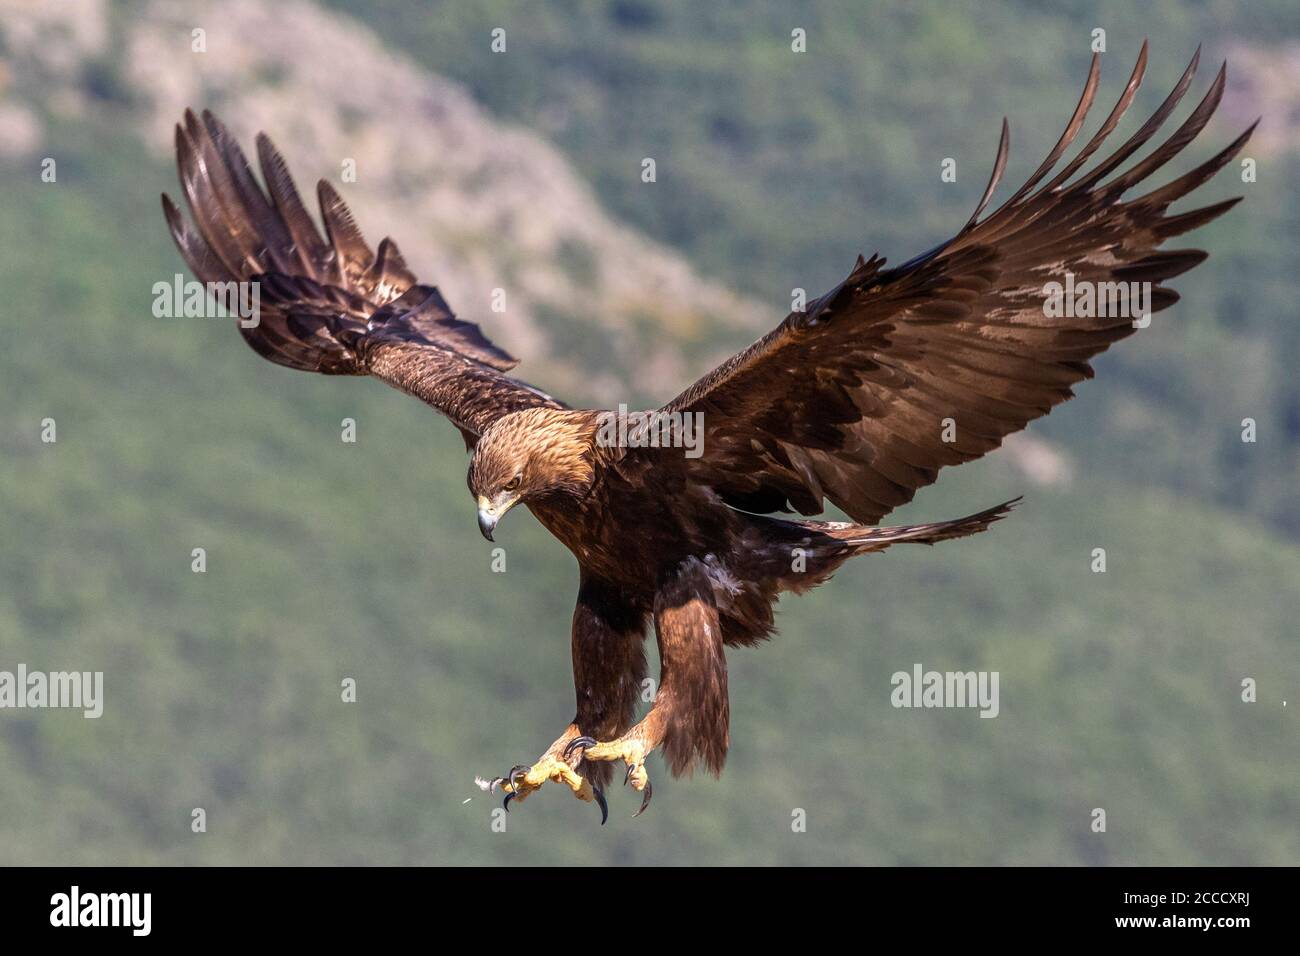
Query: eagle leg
{"points": [[690, 716], [608, 667]]}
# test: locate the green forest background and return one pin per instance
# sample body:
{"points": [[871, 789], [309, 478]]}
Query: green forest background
{"points": [[328, 560]]}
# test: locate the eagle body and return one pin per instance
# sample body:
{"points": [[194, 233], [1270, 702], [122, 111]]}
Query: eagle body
{"points": [[635, 532], [857, 401]]}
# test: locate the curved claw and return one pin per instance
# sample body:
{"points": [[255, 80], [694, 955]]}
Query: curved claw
{"points": [[645, 799], [517, 771], [584, 742], [510, 796], [600, 799]]}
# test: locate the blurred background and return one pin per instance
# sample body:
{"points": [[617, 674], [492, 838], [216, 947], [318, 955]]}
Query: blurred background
{"points": [[521, 170]]}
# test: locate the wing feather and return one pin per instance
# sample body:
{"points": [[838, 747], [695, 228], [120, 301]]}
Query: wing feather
{"points": [[896, 373], [328, 303]]}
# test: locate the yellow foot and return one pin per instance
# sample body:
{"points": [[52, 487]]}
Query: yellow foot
{"points": [[627, 749], [522, 781]]}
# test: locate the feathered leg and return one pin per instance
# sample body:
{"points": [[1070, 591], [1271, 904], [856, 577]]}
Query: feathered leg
{"points": [[690, 717], [608, 668]]}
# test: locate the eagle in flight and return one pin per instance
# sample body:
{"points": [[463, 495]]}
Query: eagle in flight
{"points": [[858, 400]]}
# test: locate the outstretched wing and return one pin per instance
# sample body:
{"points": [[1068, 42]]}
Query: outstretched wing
{"points": [[328, 303], [895, 373]]}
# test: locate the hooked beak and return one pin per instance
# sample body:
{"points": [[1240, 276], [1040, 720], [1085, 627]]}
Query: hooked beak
{"points": [[486, 523], [490, 512]]}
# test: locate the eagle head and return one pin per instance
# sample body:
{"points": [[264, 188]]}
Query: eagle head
{"points": [[528, 455]]}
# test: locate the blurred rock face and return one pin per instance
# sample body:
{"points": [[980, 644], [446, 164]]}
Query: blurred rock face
{"points": [[491, 213]]}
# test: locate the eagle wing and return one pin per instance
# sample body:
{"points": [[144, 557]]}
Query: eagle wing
{"points": [[328, 303], [894, 373]]}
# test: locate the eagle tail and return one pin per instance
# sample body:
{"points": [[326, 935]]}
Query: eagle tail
{"points": [[865, 540], [828, 544]]}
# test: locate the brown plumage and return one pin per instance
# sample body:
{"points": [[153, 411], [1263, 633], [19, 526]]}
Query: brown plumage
{"points": [[858, 400]]}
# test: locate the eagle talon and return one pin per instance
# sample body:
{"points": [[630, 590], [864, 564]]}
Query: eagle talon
{"points": [[584, 742], [522, 781], [645, 797], [630, 750], [636, 773], [516, 773]]}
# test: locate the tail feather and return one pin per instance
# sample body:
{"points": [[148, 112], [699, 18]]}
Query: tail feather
{"points": [[826, 545], [865, 540]]}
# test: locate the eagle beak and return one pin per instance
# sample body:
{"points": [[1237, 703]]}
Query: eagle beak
{"points": [[490, 512]]}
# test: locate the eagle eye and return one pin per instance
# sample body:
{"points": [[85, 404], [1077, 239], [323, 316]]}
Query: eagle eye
{"points": [[511, 485]]}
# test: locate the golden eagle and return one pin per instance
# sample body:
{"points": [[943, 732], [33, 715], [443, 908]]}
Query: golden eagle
{"points": [[858, 399]]}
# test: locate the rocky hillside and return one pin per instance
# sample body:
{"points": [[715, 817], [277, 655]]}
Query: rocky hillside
{"points": [[475, 204]]}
